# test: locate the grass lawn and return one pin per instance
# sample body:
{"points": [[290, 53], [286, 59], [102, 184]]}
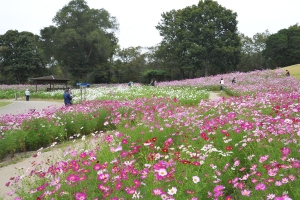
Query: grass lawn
{"points": [[4, 103]]}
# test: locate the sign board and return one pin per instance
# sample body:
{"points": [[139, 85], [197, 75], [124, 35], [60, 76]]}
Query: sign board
{"points": [[83, 84]]}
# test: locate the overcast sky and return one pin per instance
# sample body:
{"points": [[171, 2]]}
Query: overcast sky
{"points": [[138, 18]]}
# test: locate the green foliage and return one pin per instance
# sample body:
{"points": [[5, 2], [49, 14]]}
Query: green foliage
{"points": [[282, 48], [157, 74], [39, 133], [130, 64], [252, 52], [200, 37], [82, 40], [20, 57]]}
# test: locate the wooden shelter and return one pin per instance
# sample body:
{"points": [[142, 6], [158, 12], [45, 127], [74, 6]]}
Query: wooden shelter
{"points": [[52, 81]]}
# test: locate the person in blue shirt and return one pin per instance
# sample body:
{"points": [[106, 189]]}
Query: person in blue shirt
{"points": [[67, 98]]}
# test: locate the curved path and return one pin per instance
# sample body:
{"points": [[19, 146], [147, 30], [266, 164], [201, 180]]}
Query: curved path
{"points": [[28, 161], [22, 106]]}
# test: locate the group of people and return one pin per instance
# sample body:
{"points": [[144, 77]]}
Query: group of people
{"points": [[233, 81], [67, 96], [153, 82]]}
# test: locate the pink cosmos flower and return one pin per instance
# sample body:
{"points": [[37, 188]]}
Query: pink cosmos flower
{"points": [[168, 142], [97, 167], [285, 180], [55, 181], [137, 183], [72, 178], [236, 163], [157, 192], [285, 151], [246, 192], [103, 176], [296, 164], [118, 185], [263, 158], [278, 183], [292, 177], [80, 196], [124, 141], [270, 196], [260, 186]]}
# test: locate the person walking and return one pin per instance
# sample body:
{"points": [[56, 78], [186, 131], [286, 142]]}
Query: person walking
{"points": [[221, 84], [67, 98], [27, 94]]}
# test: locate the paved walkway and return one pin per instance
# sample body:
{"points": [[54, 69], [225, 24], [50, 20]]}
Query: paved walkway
{"points": [[22, 106], [13, 170], [215, 95]]}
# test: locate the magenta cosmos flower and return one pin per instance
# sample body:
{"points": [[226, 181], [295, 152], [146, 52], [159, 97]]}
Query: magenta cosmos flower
{"points": [[260, 186], [285, 151], [80, 196]]}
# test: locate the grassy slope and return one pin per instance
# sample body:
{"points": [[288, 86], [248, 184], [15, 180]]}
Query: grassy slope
{"points": [[294, 70]]}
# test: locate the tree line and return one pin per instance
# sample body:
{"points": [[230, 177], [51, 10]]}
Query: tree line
{"points": [[198, 40]]}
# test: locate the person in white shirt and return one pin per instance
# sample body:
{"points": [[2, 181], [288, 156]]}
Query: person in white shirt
{"points": [[221, 84], [27, 94]]}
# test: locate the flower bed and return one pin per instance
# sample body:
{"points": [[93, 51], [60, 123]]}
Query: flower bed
{"points": [[244, 147]]}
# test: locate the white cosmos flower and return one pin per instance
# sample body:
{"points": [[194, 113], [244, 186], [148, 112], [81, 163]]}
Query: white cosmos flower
{"points": [[172, 191], [196, 179], [162, 172]]}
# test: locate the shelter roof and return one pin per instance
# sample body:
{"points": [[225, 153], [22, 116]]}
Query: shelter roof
{"points": [[50, 78]]}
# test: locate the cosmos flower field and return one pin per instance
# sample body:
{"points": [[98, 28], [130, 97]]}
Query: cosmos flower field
{"points": [[166, 143]]}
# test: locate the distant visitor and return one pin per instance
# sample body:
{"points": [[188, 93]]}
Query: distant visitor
{"points": [[221, 84], [233, 80], [287, 73], [67, 98], [130, 84], [27, 94]]}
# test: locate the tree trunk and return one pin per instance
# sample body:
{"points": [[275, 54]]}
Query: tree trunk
{"points": [[206, 68], [181, 74]]}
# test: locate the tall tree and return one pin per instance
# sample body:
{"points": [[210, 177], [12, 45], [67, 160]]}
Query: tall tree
{"points": [[20, 57], [252, 52], [47, 44], [83, 38], [132, 64], [203, 35], [283, 47]]}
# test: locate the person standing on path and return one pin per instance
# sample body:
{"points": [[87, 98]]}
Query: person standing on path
{"points": [[221, 84], [27, 94], [70, 92], [67, 98]]}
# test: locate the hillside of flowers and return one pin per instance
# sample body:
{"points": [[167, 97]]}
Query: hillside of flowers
{"points": [[159, 145]]}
